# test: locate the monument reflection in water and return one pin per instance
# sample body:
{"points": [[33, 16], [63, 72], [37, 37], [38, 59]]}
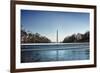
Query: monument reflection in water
{"points": [[54, 52]]}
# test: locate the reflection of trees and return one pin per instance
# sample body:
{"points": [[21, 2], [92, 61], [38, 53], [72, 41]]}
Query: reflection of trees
{"points": [[33, 38], [77, 38]]}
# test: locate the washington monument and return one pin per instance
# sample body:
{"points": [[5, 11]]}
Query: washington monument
{"points": [[57, 35]]}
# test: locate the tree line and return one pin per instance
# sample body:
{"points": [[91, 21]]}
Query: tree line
{"points": [[33, 38], [77, 38], [28, 37]]}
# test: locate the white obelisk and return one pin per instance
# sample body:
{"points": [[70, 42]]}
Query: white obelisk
{"points": [[57, 35]]}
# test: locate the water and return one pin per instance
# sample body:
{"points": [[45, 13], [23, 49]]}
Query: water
{"points": [[54, 52]]}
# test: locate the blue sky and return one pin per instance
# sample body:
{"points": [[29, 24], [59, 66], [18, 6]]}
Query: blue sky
{"points": [[47, 23]]}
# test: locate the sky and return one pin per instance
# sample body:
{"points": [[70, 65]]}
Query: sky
{"points": [[46, 23]]}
